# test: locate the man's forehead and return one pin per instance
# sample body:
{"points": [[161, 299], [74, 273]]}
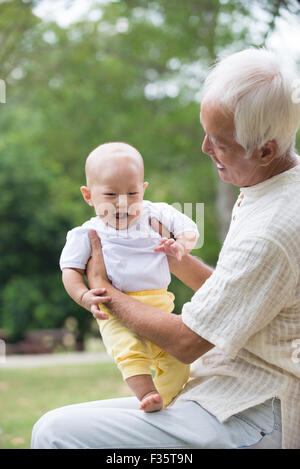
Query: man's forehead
{"points": [[214, 121]]}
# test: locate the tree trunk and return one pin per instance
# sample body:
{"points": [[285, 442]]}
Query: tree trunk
{"points": [[226, 197]]}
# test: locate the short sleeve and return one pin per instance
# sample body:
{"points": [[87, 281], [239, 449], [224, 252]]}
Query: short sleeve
{"points": [[77, 249], [253, 281], [175, 221]]}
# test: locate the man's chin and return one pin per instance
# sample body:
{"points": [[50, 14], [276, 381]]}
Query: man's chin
{"points": [[224, 176]]}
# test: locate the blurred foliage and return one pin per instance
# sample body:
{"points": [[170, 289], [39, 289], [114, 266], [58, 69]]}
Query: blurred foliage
{"points": [[133, 75]]}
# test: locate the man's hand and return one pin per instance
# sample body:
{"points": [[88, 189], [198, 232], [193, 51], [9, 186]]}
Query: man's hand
{"points": [[95, 269], [97, 279], [91, 299]]}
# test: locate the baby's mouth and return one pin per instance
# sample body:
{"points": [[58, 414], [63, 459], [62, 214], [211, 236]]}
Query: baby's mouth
{"points": [[121, 216]]}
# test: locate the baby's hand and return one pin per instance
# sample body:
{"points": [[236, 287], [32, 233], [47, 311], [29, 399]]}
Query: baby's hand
{"points": [[171, 247], [91, 299]]}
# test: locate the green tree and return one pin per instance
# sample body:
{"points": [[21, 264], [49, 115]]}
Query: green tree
{"points": [[133, 75]]}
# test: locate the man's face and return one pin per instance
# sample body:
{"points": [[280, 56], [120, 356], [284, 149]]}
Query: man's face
{"points": [[117, 195], [220, 144]]}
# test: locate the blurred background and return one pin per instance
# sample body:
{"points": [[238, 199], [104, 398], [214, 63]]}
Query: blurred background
{"points": [[78, 74]]}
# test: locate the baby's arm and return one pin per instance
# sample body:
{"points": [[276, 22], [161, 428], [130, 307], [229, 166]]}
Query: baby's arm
{"points": [[73, 280], [178, 247]]}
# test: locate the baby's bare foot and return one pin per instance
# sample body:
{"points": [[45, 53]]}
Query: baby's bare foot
{"points": [[152, 402]]}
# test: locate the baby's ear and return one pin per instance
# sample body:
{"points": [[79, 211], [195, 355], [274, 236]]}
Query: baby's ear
{"points": [[86, 195], [145, 185]]}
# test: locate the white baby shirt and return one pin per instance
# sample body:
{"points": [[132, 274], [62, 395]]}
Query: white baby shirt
{"points": [[129, 256]]}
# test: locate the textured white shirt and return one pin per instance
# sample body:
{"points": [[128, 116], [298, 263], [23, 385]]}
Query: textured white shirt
{"points": [[249, 308], [130, 260]]}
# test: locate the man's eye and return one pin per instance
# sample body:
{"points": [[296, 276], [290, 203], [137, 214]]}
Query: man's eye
{"points": [[109, 193], [133, 193]]}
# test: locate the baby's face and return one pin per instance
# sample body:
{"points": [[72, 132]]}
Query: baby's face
{"points": [[117, 192]]}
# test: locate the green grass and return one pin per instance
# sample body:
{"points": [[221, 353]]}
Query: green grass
{"points": [[26, 394]]}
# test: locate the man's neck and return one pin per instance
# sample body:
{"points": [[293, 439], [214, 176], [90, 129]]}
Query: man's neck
{"points": [[277, 166], [280, 165]]}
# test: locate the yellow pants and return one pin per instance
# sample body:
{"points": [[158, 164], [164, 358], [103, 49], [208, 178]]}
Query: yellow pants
{"points": [[135, 355]]}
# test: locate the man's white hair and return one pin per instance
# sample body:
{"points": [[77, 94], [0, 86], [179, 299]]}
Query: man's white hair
{"points": [[259, 90]]}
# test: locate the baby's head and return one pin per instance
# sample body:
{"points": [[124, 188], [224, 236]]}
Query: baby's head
{"points": [[115, 183]]}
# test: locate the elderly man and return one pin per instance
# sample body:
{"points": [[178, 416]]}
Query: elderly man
{"points": [[241, 328]]}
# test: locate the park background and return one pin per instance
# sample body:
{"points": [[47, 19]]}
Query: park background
{"points": [[78, 74]]}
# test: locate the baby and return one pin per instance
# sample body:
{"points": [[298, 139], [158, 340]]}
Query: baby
{"points": [[136, 263]]}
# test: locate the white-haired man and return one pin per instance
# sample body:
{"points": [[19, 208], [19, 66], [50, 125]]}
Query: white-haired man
{"points": [[242, 326]]}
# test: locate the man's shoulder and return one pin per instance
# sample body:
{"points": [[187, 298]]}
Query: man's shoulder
{"points": [[283, 222]]}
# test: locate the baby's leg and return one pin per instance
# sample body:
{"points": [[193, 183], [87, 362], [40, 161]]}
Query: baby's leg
{"points": [[145, 390], [133, 356], [171, 376]]}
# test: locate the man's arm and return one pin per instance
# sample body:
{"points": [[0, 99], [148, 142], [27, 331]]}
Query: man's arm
{"points": [[164, 329], [190, 270]]}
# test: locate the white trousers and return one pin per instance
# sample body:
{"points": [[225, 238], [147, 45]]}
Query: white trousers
{"points": [[117, 423]]}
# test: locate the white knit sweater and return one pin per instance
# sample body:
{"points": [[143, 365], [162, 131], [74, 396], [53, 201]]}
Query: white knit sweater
{"points": [[249, 309]]}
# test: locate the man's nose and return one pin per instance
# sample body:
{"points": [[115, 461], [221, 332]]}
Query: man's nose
{"points": [[206, 146]]}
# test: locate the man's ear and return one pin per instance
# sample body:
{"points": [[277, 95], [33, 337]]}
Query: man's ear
{"points": [[86, 195], [268, 152], [145, 185]]}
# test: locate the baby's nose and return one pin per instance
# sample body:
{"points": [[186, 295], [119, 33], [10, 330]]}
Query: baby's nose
{"points": [[122, 201]]}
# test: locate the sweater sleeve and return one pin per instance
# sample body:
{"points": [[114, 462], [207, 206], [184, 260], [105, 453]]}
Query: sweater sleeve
{"points": [[252, 282]]}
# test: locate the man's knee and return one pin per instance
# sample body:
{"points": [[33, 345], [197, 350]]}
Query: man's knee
{"points": [[48, 431]]}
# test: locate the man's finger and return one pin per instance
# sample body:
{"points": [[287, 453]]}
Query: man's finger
{"points": [[95, 241]]}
